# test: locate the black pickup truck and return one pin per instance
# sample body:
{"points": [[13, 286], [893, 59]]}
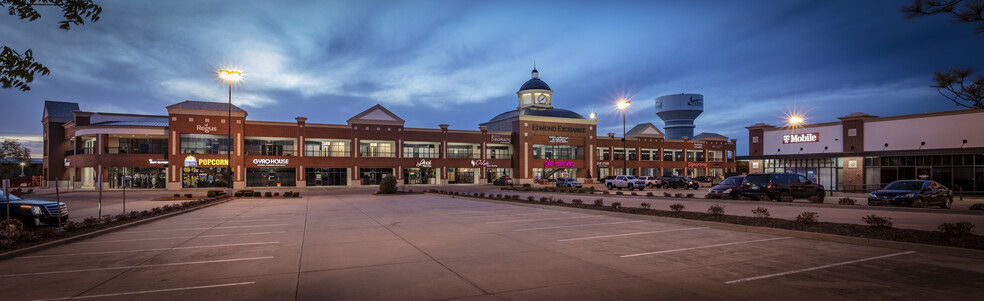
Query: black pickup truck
{"points": [[29, 214]]}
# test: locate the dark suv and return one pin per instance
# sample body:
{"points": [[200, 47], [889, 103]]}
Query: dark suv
{"points": [[680, 182], [780, 187], [29, 213]]}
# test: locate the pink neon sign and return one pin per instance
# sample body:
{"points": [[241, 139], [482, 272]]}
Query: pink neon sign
{"points": [[558, 164]]}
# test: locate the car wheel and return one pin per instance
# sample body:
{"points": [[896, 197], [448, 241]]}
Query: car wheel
{"points": [[820, 196], [11, 227], [630, 187], [785, 195], [641, 188], [609, 186], [947, 203], [919, 203]]}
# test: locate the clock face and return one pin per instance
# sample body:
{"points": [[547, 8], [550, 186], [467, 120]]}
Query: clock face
{"points": [[542, 99]]}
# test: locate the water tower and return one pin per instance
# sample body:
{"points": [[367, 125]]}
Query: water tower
{"points": [[678, 112]]}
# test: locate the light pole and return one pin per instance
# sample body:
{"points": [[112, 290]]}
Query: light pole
{"points": [[622, 105], [231, 76], [22, 169]]}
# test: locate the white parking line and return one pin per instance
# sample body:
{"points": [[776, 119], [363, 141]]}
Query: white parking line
{"points": [[179, 237], [629, 234], [237, 221], [202, 228], [544, 219], [152, 291], [704, 247], [575, 226], [502, 215], [817, 268], [155, 249], [136, 266]]}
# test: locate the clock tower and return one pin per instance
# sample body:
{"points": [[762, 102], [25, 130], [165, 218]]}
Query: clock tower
{"points": [[535, 93]]}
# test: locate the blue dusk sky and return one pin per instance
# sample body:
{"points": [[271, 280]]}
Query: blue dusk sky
{"points": [[461, 62]]}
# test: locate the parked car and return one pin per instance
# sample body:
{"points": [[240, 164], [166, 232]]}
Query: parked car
{"points": [[915, 193], [503, 181], [568, 182], [630, 182], [705, 179], [30, 213], [680, 182], [651, 181], [730, 188], [780, 186]]}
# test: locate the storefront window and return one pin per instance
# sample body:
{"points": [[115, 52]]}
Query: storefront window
{"points": [[653, 172], [499, 151], [326, 176], [551, 174], [326, 148], [372, 176], [140, 146], [716, 172], [603, 154], [603, 172], [623, 171], [421, 150], [271, 177], [137, 177], [493, 174], [369, 148], [464, 151], [260, 146], [695, 172], [715, 156], [672, 172], [557, 152], [461, 176], [695, 155], [420, 176], [201, 177], [672, 155], [204, 144], [650, 154]]}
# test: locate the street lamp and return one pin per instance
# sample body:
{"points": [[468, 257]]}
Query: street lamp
{"points": [[795, 119], [22, 169], [231, 76], [622, 105], [593, 115]]}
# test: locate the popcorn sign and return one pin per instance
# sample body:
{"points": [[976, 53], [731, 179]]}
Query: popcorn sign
{"points": [[801, 138]]}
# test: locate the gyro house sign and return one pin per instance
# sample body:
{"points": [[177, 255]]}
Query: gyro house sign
{"points": [[271, 162]]}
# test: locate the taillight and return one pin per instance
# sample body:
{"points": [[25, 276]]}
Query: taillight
{"points": [[770, 185]]}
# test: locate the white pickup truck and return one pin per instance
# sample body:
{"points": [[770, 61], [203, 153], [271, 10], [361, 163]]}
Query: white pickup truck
{"points": [[630, 182]]}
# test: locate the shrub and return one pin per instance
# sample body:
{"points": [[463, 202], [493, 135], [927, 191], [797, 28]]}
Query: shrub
{"points": [[645, 205], [978, 206], [715, 209], [247, 193], [559, 201], [268, 194], [90, 221], [667, 194], [527, 186], [387, 185], [576, 202], [616, 205], [188, 195], [498, 195], [877, 221], [605, 192], [956, 228], [650, 194], [846, 201], [30, 190], [787, 198], [121, 217], [210, 194], [761, 212], [297, 194], [690, 195], [177, 195], [145, 212], [634, 194], [709, 196], [678, 195], [807, 218], [763, 198], [157, 210], [814, 199], [481, 194], [543, 199], [618, 193], [278, 194], [530, 198], [599, 202], [676, 207], [134, 214], [108, 218], [238, 194], [515, 196]]}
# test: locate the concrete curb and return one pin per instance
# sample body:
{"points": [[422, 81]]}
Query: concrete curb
{"points": [[823, 205], [67, 240], [870, 242]]}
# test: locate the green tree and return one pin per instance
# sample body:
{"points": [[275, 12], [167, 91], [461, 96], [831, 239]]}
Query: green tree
{"points": [[17, 70], [958, 84], [11, 149]]}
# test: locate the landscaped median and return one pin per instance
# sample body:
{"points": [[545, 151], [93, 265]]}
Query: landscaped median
{"points": [[37, 239], [957, 235]]}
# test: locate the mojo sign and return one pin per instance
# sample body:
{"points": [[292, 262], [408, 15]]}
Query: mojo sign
{"points": [[801, 138]]}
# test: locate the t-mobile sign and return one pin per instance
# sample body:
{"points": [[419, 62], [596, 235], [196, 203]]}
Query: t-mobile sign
{"points": [[801, 138]]}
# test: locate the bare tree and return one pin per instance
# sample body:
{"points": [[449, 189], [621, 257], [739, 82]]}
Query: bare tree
{"points": [[958, 84], [17, 70]]}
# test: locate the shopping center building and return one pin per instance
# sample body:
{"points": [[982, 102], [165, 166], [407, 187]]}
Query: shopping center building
{"points": [[863, 152], [198, 144]]}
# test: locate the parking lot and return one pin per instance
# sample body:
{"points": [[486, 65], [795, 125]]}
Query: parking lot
{"points": [[427, 247]]}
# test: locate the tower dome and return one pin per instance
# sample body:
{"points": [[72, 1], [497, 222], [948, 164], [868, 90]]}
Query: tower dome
{"points": [[534, 82]]}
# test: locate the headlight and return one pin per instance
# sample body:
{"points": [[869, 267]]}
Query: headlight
{"points": [[909, 195], [35, 210], [872, 195], [727, 190]]}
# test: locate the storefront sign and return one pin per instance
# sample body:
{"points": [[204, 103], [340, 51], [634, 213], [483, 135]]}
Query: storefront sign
{"points": [[271, 162], [503, 139], [190, 161], [480, 163], [213, 162], [424, 163], [557, 139], [696, 164], [698, 145], [207, 129], [602, 164], [801, 138], [558, 164], [558, 128], [68, 163], [152, 161]]}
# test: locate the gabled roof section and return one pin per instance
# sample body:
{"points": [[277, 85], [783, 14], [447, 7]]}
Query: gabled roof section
{"points": [[205, 105], [647, 130], [59, 109], [377, 115], [710, 136], [163, 124]]}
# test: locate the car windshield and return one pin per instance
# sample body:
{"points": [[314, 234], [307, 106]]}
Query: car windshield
{"points": [[630, 177], [756, 179], [12, 197], [731, 181], [904, 185]]}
